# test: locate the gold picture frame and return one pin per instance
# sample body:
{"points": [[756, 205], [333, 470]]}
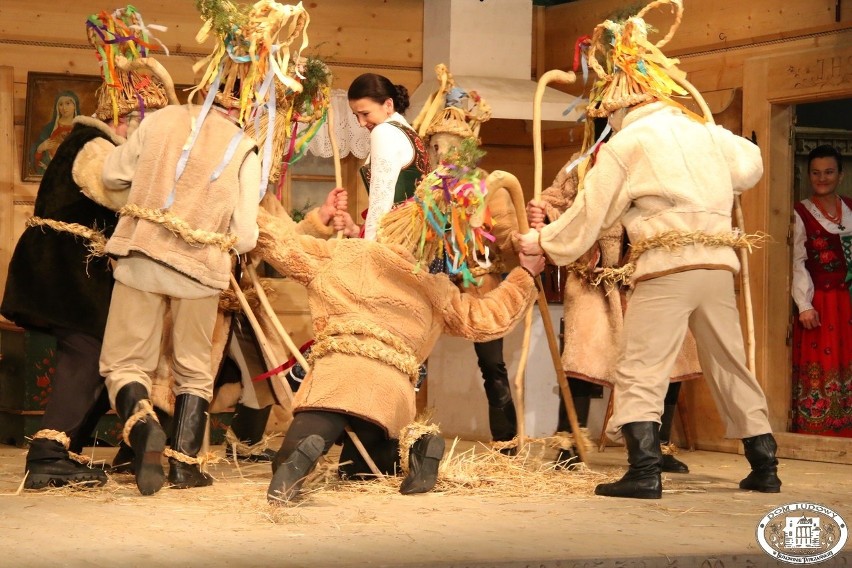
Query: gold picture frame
{"points": [[53, 99]]}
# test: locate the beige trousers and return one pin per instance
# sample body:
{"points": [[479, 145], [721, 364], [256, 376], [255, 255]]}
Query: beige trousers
{"points": [[133, 336], [655, 323]]}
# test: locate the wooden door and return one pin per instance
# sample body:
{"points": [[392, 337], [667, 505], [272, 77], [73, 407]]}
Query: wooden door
{"points": [[772, 85]]}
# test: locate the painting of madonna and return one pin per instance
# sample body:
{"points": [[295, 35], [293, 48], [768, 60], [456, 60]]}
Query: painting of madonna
{"points": [[53, 100]]}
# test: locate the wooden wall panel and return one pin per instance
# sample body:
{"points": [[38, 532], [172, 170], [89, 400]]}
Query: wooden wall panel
{"points": [[7, 93], [705, 26]]}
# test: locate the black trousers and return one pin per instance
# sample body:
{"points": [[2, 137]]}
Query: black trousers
{"points": [[330, 426], [501, 412], [77, 398]]}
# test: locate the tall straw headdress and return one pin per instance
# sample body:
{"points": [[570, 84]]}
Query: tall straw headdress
{"points": [[636, 71], [123, 42], [255, 67]]}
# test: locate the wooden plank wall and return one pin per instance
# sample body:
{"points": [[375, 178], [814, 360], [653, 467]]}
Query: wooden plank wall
{"points": [[715, 43]]}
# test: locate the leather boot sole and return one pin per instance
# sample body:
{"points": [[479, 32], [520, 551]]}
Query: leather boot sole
{"points": [[148, 464], [425, 457], [291, 474], [632, 489]]}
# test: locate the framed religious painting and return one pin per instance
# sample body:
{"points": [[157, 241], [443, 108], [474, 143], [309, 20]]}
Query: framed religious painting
{"points": [[53, 100]]}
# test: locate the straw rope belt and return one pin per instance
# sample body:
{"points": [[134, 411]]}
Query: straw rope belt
{"points": [[672, 240], [394, 352], [96, 238], [63, 439], [180, 228]]}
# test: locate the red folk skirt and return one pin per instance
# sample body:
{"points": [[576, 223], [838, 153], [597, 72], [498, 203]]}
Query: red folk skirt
{"points": [[822, 368]]}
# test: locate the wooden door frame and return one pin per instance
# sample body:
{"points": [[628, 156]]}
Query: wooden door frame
{"points": [[771, 86]]}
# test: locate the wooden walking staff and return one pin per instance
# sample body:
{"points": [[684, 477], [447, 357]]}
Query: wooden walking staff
{"points": [[495, 181], [270, 312], [558, 76]]}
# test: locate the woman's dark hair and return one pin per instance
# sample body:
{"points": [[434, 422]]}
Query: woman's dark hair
{"points": [[826, 151], [379, 88]]}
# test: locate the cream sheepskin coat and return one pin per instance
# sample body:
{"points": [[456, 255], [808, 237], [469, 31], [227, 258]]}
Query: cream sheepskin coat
{"points": [[593, 318], [644, 179], [360, 282]]}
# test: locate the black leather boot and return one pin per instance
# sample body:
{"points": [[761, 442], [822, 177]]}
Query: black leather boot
{"points": [[249, 426], [123, 460], [147, 438], [423, 460], [670, 463], [190, 426], [760, 453], [48, 465], [642, 480], [291, 470], [503, 422]]}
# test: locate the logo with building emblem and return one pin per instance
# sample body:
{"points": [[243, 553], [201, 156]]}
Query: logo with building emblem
{"points": [[802, 533]]}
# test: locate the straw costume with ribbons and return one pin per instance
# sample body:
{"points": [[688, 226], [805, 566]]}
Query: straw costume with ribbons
{"points": [[59, 279], [682, 276], [452, 131], [377, 312]]}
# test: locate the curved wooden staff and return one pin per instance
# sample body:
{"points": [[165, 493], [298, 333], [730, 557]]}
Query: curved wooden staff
{"points": [[270, 312], [743, 254], [559, 76], [495, 181]]}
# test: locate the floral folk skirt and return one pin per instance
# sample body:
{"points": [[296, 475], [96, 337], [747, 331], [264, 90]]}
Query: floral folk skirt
{"points": [[822, 368]]}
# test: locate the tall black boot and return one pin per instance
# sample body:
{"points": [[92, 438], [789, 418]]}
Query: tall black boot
{"points": [[642, 480], [503, 421], [423, 460], [670, 463], [146, 438], [48, 465], [248, 426], [190, 426], [292, 470], [760, 453]]}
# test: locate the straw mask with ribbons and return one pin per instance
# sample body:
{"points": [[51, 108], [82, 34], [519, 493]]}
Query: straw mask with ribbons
{"points": [[123, 43], [256, 47]]}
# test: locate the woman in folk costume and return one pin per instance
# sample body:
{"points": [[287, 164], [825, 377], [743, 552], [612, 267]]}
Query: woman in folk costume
{"points": [[822, 273], [670, 179], [377, 313], [594, 320], [60, 280], [195, 182], [454, 128], [397, 160]]}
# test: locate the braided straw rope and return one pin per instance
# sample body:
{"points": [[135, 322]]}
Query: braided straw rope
{"points": [[96, 238], [394, 352], [180, 228], [145, 410], [183, 458], [241, 449], [672, 240], [63, 439]]}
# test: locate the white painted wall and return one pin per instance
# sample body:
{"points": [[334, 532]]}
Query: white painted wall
{"points": [[455, 385]]}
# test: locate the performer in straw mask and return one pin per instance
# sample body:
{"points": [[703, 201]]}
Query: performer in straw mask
{"points": [[671, 180]]}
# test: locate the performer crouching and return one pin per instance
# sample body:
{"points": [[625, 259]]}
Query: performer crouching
{"points": [[377, 313]]}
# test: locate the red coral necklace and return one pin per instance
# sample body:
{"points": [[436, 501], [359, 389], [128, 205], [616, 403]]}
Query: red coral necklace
{"points": [[837, 218]]}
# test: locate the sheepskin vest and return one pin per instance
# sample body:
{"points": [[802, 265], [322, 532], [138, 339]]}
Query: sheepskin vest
{"points": [[205, 195], [53, 280]]}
